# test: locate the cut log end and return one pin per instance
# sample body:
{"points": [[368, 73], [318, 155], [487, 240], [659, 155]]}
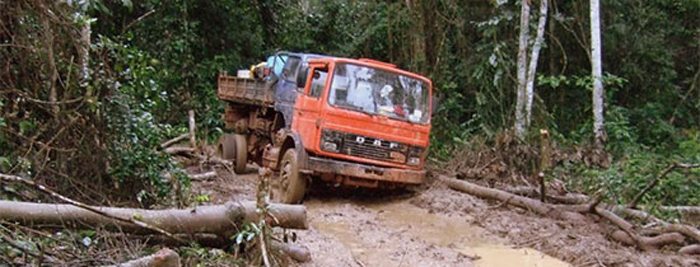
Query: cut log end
{"points": [[163, 258]]}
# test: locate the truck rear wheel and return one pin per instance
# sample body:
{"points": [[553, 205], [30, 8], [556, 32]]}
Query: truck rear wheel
{"points": [[233, 147], [290, 185]]}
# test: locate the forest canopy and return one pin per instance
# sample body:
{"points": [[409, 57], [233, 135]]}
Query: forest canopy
{"points": [[90, 88]]}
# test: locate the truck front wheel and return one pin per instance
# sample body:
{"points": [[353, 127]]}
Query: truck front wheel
{"points": [[233, 147], [290, 186]]}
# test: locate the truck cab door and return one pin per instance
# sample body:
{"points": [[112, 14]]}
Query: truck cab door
{"points": [[307, 111]]}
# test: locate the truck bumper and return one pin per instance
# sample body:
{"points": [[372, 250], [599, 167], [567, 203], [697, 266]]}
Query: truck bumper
{"points": [[357, 174]]}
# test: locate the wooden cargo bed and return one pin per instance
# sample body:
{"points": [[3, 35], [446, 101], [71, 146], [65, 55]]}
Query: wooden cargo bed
{"points": [[244, 90]]}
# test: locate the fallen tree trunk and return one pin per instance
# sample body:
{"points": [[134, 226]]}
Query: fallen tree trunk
{"points": [[222, 220], [569, 198], [536, 206], [163, 258]]}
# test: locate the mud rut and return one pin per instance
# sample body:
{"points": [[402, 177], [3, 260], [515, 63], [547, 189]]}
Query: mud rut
{"points": [[350, 228]]}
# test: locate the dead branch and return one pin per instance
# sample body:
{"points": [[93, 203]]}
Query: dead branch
{"points": [[203, 176], [683, 210], [656, 241], [690, 250], [222, 220], [180, 150], [637, 214], [163, 258], [175, 140], [686, 230], [656, 180], [624, 226]]}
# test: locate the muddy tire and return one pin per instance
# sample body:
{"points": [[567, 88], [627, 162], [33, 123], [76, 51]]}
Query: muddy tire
{"points": [[289, 187], [241, 153], [233, 147]]}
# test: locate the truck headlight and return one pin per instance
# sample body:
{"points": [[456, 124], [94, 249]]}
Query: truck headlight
{"points": [[331, 141], [414, 155], [329, 146]]}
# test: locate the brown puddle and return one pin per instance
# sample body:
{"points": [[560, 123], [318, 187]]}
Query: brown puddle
{"points": [[453, 232], [459, 234], [500, 255]]}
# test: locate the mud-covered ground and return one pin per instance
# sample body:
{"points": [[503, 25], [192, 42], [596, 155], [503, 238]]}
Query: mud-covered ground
{"points": [[436, 226]]}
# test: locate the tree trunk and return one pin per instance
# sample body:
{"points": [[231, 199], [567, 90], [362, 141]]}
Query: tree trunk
{"points": [[84, 51], [597, 73], [222, 220], [51, 60], [534, 56], [522, 71]]}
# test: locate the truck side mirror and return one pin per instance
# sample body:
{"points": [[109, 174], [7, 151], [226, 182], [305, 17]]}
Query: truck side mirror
{"points": [[302, 76], [436, 103]]}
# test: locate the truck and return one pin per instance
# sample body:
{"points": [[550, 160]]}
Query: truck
{"points": [[342, 121]]}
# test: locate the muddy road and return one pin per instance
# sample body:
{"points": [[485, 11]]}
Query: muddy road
{"points": [[377, 228], [436, 226], [395, 232]]}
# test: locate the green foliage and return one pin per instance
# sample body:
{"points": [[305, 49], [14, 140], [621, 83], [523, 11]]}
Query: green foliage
{"points": [[136, 163], [627, 177], [248, 233]]}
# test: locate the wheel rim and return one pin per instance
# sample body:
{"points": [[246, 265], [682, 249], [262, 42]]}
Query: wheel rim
{"points": [[282, 184]]}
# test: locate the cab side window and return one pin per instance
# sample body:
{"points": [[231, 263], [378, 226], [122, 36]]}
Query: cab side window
{"points": [[289, 72], [318, 82]]}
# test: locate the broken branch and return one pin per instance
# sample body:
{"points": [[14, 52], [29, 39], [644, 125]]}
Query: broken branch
{"points": [[163, 258], [175, 140]]}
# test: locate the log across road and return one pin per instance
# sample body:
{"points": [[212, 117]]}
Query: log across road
{"points": [[222, 220]]}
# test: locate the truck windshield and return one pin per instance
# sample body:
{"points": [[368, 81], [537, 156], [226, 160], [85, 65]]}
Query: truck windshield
{"points": [[379, 92]]}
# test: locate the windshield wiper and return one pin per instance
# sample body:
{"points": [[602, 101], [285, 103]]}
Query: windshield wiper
{"points": [[358, 109]]}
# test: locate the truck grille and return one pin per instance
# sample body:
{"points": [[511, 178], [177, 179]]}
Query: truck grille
{"points": [[367, 147]]}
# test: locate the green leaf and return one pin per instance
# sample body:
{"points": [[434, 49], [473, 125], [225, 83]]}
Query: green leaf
{"points": [[239, 238], [25, 126]]}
